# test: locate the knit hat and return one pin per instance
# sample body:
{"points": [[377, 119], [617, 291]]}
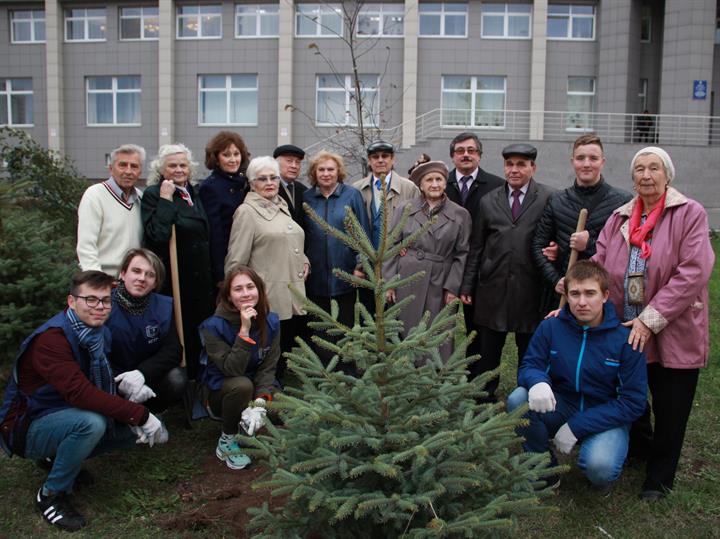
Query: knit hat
{"points": [[425, 168], [662, 154]]}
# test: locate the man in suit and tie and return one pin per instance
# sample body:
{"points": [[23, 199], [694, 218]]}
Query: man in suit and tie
{"points": [[500, 279], [381, 157], [467, 184], [290, 158]]}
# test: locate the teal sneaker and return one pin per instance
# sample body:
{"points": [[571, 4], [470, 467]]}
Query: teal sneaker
{"points": [[230, 452]]}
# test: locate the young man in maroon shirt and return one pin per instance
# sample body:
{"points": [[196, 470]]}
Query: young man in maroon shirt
{"points": [[61, 402]]}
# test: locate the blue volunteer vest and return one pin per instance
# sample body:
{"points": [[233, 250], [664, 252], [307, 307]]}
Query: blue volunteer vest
{"points": [[138, 337], [19, 409], [212, 376]]}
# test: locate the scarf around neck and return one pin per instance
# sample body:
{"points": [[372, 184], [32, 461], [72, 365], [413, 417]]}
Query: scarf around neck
{"points": [[92, 339], [641, 233], [131, 304]]}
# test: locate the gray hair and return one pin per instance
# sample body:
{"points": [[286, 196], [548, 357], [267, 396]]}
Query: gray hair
{"points": [[128, 148], [259, 163], [165, 151]]}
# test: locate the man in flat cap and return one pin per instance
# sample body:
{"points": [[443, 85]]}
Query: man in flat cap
{"points": [[500, 277], [290, 157], [381, 157]]}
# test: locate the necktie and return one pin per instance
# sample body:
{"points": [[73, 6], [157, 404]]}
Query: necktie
{"points": [[291, 193], [515, 208], [465, 188]]}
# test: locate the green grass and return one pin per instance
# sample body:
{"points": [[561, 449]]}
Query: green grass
{"points": [[135, 489]]}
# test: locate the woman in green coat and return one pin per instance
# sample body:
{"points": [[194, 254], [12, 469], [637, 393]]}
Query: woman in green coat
{"points": [[170, 199]]}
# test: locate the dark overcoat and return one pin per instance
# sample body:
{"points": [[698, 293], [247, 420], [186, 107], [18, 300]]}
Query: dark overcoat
{"points": [[500, 274]]}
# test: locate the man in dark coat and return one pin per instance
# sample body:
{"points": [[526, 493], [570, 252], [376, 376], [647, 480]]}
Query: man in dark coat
{"points": [[290, 158], [467, 184], [500, 279], [559, 220]]}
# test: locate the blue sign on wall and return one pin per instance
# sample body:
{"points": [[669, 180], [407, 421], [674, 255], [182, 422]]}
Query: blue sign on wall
{"points": [[699, 89]]}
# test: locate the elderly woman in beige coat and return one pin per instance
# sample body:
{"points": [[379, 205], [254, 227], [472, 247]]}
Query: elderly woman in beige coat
{"points": [[440, 252], [265, 237]]}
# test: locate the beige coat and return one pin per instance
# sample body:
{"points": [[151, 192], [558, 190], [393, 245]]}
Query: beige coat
{"points": [[265, 237], [401, 190]]}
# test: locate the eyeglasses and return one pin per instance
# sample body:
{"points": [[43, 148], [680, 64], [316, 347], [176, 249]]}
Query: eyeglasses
{"points": [[263, 179], [470, 151], [93, 301]]}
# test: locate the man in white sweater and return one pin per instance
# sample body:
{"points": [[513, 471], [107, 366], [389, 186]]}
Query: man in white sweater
{"points": [[109, 222]]}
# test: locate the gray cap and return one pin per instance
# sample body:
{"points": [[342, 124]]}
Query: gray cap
{"points": [[524, 150], [380, 146]]}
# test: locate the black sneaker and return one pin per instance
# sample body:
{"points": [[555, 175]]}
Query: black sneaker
{"points": [[58, 511]]}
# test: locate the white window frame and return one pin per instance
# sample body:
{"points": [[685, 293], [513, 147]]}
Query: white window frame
{"points": [[179, 17], [114, 91], [318, 11], [571, 18], [642, 94], [442, 14], [381, 11], [144, 18], [474, 92], [36, 16], [506, 20], [86, 21], [8, 94], [590, 113], [259, 15], [346, 86], [646, 19], [228, 90]]}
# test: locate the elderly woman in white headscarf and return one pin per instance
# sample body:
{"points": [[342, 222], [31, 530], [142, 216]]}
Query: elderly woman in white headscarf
{"points": [[171, 200], [657, 251]]}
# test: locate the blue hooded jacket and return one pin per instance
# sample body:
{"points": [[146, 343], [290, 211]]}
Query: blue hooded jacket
{"points": [[593, 369]]}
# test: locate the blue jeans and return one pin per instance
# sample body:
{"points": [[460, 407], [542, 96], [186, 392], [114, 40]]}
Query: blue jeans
{"points": [[602, 455], [70, 436]]}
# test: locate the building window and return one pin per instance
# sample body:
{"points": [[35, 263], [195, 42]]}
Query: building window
{"points": [[566, 21], [506, 21], [443, 20], [385, 20], [227, 100], [141, 23], [113, 100], [473, 101], [336, 101], [28, 26], [642, 94], [199, 22], [646, 25], [85, 24], [580, 103], [16, 102], [256, 20], [318, 20]]}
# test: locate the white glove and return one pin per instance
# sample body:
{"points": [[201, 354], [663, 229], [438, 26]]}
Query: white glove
{"points": [[142, 395], [253, 417], [541, 398], [130, 382], [152, 432], [565, 439]]}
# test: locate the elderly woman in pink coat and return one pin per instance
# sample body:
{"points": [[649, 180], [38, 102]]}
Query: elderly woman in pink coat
{"points": [[658, 253]]}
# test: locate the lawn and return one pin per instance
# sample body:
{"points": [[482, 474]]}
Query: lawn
{"points": [[180, 490]]}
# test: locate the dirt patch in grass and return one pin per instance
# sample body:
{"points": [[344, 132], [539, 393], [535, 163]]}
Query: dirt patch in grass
{"points": [[219, 497]]}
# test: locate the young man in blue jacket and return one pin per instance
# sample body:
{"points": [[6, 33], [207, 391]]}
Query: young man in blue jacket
{"points": [[582, 380]]}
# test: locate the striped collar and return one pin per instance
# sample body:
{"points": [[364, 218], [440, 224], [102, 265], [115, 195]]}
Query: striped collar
{"points": [[114, 189]]}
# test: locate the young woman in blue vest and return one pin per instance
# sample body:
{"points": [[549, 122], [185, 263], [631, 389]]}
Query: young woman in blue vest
{"points": [[146, 351], [241, 348]]}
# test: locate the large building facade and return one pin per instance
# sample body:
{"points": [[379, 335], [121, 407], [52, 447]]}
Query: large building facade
{"points": [[84, 77]]}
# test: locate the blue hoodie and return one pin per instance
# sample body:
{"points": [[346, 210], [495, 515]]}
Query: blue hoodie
{"points": [[594, 370]]}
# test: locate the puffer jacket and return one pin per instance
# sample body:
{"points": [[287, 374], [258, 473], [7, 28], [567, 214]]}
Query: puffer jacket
{"points": [[559, 221], [594, 369]]}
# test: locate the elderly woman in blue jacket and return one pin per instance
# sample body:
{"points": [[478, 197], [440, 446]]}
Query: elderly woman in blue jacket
{"points": [[582, 380], [329, 197]]}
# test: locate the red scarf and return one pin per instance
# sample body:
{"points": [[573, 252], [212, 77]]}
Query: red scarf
{"points": [[639, 235]]}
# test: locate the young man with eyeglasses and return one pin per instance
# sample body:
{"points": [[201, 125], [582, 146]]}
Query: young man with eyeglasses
{"points": [[467, 184], [61, 404]]}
